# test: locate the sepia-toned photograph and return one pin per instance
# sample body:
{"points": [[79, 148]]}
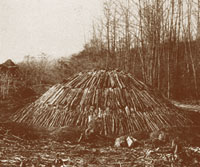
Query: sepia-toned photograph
{"points": [[99, 83]]}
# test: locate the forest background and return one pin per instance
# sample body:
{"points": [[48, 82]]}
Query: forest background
{"points": [[157, 41]]}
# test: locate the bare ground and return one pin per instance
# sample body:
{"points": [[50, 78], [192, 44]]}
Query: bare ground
{"points": [[16, 149], [44, 152]]}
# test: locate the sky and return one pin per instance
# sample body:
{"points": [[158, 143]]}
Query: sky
{"points": [[55, 27]]}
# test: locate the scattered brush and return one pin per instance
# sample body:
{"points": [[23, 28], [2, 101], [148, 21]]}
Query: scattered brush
{"points": [[71, 134], [23, 131]]}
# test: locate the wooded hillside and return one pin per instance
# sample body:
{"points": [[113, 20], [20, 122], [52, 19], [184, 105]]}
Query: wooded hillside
{"points": [[155, 40]]}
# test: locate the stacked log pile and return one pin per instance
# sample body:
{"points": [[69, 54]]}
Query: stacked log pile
{"points": [[123, 103]]}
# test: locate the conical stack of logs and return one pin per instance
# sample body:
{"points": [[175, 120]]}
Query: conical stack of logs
{"points": [[122, 103]]}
